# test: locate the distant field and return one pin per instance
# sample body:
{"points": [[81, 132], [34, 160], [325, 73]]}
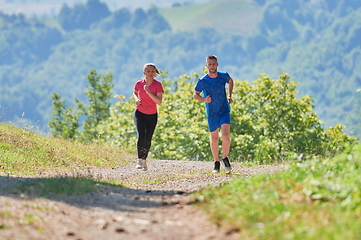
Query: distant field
{"points": [[52, 7], [229, 16]]}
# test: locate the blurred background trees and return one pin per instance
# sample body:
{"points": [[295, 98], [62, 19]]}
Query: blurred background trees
{"points": [[315, 42]]}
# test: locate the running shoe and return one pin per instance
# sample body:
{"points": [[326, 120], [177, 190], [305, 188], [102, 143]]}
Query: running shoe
{"points": [[144, 165], [139, 164], [217, 166], [227, 165]]}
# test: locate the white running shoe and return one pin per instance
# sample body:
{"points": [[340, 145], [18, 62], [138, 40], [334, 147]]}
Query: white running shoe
{"points": [[139, 164], [144, 164]]}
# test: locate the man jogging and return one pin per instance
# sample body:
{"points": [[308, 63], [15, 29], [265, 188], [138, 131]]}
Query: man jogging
{"points": [[213, 88]]}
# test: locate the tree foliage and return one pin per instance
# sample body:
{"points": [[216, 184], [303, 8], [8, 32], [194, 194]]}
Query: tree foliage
{"points": [[67, 122], [269, 123], [99, 97], [317, 42], [82, 15]]}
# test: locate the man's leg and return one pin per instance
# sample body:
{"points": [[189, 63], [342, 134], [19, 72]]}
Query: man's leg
{"points": [[214, 144], [214, 148], [226, 144], [226, 140]]}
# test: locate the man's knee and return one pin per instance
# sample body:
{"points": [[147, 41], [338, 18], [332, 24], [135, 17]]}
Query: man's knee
{"points": [[225, 137], [214, 136]]}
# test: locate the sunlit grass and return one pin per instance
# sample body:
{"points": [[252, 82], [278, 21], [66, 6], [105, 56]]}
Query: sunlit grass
{"points": [[57, 186], [27, 153], [318, 199]]}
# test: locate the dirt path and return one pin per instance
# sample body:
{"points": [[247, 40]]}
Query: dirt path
{"points": [[154, 204]]}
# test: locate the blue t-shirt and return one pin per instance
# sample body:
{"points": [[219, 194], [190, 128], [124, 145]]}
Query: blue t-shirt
{"points": [[216, 89]]}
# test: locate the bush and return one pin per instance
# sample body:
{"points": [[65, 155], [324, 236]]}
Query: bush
{"points": [[269, 123]]}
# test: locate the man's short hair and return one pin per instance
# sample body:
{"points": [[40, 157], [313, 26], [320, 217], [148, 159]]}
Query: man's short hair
{"points": [[212, 57]]}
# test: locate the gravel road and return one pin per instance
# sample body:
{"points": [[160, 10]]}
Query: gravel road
{"points": [[153, 204]]}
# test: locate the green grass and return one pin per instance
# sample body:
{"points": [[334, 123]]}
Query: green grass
{"points": [[56, 186], [229, 16], [178, 16], [317, 199], [27, 153]]}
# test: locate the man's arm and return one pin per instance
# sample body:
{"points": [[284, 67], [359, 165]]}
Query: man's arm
{"points": [[230, 90], [197, 96]]}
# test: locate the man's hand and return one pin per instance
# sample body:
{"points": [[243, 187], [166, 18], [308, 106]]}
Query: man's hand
{"points": [[208, 99]]}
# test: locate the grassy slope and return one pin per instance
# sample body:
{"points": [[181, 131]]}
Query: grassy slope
{"points": [[229, 16], [26, 153], [317, 199]]}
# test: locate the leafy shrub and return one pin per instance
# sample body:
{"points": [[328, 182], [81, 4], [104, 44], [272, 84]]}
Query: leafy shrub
{"points": [[269, 123]]}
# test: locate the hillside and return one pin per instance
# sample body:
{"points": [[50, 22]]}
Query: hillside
{"points": [[315, 42], [229, 17], [52, 7]]}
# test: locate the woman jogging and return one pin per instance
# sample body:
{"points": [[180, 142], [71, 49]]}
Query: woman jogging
{"points": [[147, 94]]}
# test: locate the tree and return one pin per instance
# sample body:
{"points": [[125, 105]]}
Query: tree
{"points": [[268, 124], [139, 19], [156, 22], [65, 122], [99, 98], [272, 124], [82, 16], [117, 20]]}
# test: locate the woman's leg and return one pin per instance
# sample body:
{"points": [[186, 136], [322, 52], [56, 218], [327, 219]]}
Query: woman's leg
{"points": [[140, 123], [145, 124], [151, 123]]}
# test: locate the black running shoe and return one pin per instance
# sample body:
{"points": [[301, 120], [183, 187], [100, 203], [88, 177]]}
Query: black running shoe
{"points": [[227, 165], [217, 166]]}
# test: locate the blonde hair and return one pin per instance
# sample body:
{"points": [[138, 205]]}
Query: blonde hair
{"points": [[151, 65]]}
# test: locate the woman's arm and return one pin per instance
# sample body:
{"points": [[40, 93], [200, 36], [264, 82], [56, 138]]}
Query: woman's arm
{"points": [[156, 98], [136, 98]]}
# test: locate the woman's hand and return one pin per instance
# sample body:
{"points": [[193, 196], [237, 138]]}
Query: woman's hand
{"points": [[146, 89]]}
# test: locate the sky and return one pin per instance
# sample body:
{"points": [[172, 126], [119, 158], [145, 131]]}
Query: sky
{"points": [[52, 7]]}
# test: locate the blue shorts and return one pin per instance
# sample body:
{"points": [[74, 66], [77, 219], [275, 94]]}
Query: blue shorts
{"points": [[217, 122]]}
